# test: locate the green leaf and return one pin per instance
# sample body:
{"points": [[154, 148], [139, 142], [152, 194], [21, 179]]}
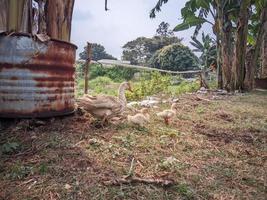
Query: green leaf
{"points": [[251, 40], [189, 22], [9, 147], [203, 4], [181, 27]]}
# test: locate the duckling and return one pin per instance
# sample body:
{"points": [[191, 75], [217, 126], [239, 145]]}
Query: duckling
{"points": [[140, 119], [168, 114]]}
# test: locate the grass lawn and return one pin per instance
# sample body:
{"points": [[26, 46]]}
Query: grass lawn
{"points": [[212, 150]]}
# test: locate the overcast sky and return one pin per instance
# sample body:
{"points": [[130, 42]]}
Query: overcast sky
{"points": [[125, 21]]}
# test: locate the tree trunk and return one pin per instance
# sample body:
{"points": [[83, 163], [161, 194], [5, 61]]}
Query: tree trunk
{"points": [[59, 17], [227, 55], [219, 65], [263, 73], [238, 77], [260, 35], [250, 71], [225, 33]]}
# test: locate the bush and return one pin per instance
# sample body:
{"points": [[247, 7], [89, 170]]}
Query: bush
{"points": [[119, 74], [175, 57], [116, 73], [100, 81], [150, 83], [154, 83]]}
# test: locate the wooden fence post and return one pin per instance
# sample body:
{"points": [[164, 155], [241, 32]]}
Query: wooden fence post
{"points": [[87, 64]]}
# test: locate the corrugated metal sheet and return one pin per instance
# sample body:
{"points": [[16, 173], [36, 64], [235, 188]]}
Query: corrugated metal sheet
{"points": [[36, 79]]}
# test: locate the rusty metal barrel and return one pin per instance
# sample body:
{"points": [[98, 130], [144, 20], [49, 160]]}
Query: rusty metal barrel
{"points": [[36, 78]]}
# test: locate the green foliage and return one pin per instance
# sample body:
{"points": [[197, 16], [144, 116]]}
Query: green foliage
{"points": [[43, 168], [150, 83], [140, 50], [207, 48], [101, 84], [79, 70], [119, 74], [100, 81], [18, 171], [98, 53], [190, 21], [116, 73], [174, 57], [185, 191], [183, 87], [163, 30], [9, 147]]}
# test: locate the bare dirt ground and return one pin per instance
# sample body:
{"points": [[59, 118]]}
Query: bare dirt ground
{"points": [[212, 150]]}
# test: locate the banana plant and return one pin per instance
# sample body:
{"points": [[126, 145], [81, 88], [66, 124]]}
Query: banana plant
{"points": [[207, 48], [189, 14]]}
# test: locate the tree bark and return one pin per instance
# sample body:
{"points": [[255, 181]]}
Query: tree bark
{"points": [[225, 32], [219, 65], [250, 71], [59, 17], [264, 57], [238, 77], [255, 55]]}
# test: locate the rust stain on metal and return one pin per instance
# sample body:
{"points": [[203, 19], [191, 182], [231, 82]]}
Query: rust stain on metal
{"points": [[36, 79]]}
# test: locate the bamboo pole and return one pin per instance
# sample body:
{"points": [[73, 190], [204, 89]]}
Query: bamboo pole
{"points": [[87, 64]]}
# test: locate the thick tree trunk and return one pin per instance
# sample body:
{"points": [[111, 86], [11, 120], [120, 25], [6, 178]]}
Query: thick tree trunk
{"points": [[250, 71], [225, 33], [263, 73], [59, 16], [260, 35], [219, 65], [227, 57], [238, 77]]}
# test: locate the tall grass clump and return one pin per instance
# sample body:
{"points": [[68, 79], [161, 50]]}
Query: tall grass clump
{"points": [[149, 84]]}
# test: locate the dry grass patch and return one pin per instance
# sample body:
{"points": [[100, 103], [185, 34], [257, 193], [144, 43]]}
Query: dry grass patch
{"points": [[212, 149]]}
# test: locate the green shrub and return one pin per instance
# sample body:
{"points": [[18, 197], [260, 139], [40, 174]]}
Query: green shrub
{"points": [[103, 85], [154, 83], [100, 81], [175, 57], [150, 83], [116, 73], [9, 147]]}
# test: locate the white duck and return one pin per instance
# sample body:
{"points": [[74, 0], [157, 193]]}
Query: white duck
{"points": [[105, 107], [168, 114]]}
